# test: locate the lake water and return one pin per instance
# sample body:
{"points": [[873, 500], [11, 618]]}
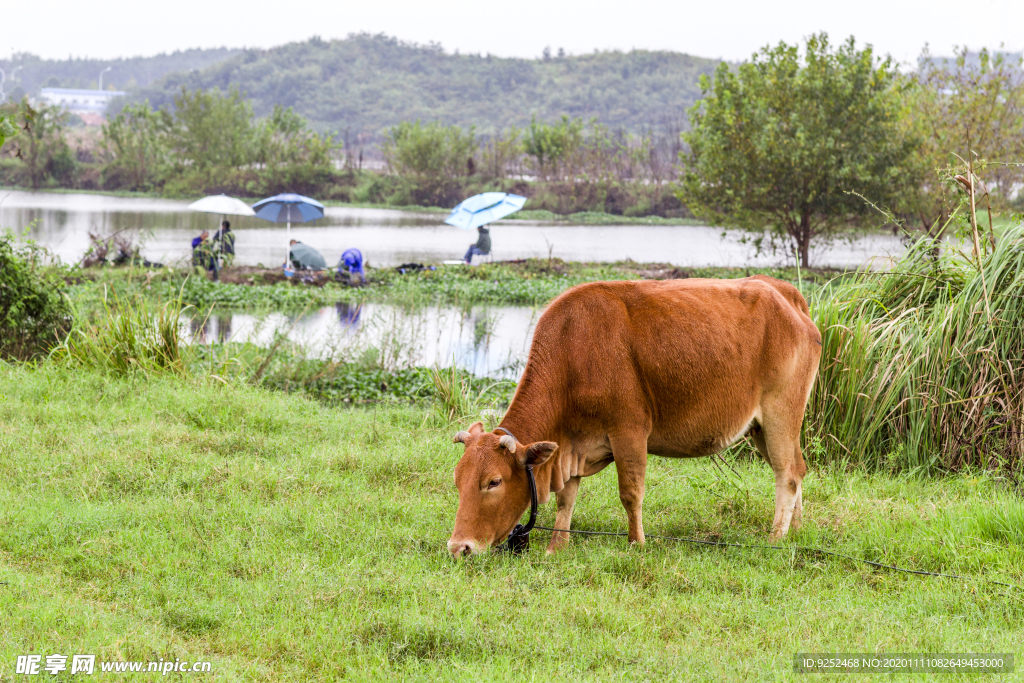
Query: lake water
{"points": [[165, 227], [491, 341]]}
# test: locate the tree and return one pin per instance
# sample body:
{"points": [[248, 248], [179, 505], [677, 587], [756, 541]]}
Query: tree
{"points": [[784, 140], [290, 153], [500, 154], [136, 144], [975, 100], [212, 131], [550, 144], [41, 145], [430, 156]]}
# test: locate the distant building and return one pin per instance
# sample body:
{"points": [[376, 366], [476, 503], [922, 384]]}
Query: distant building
{"points": [[80, 101]]}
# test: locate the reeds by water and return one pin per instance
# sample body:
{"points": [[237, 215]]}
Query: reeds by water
{"points": [[128, 336], [923, 366]]}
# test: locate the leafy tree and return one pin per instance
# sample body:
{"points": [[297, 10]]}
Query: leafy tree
{"points": [[430, 156], [41, 145], [548, 144], [212, 131], [975, 100], [292, 154], [137, 146], [783, 141]]}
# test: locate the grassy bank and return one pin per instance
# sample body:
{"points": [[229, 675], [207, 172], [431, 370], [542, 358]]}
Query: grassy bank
{"points": [[172, 518], [531, 282]]}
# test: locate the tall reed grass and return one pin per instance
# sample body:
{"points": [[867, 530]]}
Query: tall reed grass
{"points": [[129, 335], [923, 366]]}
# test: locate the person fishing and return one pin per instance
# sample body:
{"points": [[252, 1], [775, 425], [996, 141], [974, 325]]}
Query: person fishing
{"points": [[304, 257], [202, 253], [226, 238], [352, 259], [482, 246]]}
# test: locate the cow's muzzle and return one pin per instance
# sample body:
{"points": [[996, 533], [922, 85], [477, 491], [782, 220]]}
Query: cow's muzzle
{"points": [[462, 547]]}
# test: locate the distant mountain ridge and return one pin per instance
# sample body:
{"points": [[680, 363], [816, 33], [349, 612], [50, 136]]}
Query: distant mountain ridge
{"points": [[126, 73], [363, 84]]}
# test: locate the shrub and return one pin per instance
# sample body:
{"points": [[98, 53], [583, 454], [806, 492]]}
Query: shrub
{"points": [[34, 311]]}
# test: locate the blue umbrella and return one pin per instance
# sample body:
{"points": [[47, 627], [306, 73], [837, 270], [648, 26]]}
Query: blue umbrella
{"points": [[484, 208], [288, 208]]}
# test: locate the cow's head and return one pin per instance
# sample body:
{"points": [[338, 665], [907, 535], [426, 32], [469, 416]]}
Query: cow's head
{"points": [[494, 491]]}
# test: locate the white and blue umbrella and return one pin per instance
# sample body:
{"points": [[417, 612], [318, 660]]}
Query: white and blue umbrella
{"points": [[288, 208], [484, 208]]}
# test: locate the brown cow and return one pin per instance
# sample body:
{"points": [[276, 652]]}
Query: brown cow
{"points": [[617, 370]]}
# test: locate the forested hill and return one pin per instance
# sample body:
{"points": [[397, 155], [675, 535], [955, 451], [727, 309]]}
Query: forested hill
{"points": [[125, 74], [364, 84]]}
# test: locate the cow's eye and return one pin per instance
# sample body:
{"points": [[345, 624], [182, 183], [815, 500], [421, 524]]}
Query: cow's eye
{"points": [[495, 483]]}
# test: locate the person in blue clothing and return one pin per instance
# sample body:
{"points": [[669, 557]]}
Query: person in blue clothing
{"points": [[352, 259]]}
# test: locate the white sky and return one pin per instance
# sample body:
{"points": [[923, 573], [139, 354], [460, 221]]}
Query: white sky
{"points": [[730, 30]]}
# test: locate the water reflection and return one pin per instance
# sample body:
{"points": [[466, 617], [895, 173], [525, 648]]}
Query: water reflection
{"points": [[349, 314], [387, 237], [211, 329], [486, 341]]}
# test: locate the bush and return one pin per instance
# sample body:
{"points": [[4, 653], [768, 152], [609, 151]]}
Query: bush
{"points": [[34, 311]]}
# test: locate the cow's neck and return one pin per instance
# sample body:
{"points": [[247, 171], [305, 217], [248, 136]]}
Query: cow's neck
{"points": [[532, 417]]}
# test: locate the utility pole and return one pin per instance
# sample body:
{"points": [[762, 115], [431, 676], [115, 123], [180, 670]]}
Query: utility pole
{"points": [[101, 76]]}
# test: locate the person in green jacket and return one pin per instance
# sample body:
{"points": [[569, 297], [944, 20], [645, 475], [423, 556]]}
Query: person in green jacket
{"points": [[482, 246], [226, 248]]}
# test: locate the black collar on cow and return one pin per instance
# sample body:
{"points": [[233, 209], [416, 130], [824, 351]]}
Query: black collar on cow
{"points": [[518, 540]]}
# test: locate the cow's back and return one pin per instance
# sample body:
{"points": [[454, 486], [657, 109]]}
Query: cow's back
{"points": [[692, 359]]}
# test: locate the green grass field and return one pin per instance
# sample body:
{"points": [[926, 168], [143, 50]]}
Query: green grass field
{"points": [[148, 518]]}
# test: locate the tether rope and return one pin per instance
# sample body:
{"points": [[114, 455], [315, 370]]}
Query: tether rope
{"points": [[723, 544]]}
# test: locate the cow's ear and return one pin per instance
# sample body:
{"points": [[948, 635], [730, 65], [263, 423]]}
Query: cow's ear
{"points": [[538, 453], [477, 428]]}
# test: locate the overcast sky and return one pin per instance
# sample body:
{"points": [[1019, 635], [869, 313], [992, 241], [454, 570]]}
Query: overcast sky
{"points": [[727, 29]]}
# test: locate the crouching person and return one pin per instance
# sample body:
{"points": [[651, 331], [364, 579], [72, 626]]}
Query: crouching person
{"points": [[350, 268]]}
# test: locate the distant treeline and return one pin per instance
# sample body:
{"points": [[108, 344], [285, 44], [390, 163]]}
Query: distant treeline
{"points": [[210, 142]]}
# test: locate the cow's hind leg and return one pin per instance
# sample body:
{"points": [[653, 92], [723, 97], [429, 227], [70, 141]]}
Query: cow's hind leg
{"points": [[630, 453], [565, 500], [779, 443]]}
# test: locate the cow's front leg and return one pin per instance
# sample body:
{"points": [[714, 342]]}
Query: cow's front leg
{"points": [[630, 455], [565, 500]]}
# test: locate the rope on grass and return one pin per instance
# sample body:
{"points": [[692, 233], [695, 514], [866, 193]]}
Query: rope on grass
{"points": [[722, 544]]}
